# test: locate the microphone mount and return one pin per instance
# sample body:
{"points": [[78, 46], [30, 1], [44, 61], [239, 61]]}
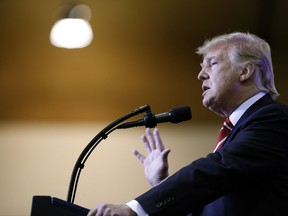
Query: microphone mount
{"points": [[150, 120]]}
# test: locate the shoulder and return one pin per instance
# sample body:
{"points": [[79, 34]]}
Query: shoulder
{"points": [[266, 109]]}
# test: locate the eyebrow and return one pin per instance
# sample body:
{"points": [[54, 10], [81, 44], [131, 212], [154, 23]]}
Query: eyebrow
{"points": [[209, 59]]}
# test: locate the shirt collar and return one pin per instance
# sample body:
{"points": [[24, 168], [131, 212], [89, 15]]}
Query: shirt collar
{"points": [[236, 115]]}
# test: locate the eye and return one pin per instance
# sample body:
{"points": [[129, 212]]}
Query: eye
{"points": [[214, 63]]}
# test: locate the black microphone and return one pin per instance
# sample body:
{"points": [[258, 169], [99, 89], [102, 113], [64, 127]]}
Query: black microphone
{"points": [[150, 120]]}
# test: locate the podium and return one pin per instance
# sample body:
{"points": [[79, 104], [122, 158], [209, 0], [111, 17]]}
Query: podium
{"points": [[52, 206]]}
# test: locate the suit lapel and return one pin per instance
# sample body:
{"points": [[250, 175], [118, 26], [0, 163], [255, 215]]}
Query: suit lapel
{"points": [[264, 101]]}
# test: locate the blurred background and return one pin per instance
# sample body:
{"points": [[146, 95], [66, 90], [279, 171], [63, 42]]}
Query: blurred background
{"points": [[53, 100]]}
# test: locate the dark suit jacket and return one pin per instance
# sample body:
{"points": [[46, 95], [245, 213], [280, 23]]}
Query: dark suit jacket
{"points": [[248, 176]]}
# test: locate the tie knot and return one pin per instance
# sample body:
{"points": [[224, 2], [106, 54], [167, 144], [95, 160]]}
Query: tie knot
{"points": [[223, 134], [228, 124]]}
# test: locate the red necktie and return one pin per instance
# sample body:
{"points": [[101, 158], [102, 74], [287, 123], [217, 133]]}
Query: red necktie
{"points": [[224, 132]]}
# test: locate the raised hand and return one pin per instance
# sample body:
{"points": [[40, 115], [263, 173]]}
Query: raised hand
{"points": [[156, 163]]}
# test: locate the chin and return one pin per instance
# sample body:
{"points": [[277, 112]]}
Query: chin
{"points": [[206, 103], [210, 105]]}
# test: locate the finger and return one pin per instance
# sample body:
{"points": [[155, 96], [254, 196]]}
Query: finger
{"points": [[146, 143], [150, 137], [158, 141], [139, 156], [107, 212], [101, 209], [92, 212]]}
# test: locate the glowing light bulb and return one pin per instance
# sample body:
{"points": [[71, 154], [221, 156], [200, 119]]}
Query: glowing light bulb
{"points": [[71, 33]]}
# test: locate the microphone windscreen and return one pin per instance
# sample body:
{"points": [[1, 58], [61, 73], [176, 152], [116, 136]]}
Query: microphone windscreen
{"points": [[180, 114]]}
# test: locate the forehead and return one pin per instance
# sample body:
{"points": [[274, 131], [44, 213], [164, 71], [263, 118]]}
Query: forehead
{"points": [[217, 51]]}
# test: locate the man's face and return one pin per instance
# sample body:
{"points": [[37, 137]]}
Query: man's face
{"points": [[220, 82]]}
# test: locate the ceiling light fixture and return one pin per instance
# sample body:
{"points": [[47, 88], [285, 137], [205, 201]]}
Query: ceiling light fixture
{"points": [[74, 31]]}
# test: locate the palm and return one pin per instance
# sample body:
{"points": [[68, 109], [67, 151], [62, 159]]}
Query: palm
{"points": [[155, 167], [156, 162]]}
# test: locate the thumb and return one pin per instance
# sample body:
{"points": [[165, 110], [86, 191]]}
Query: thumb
{"points": [[164, 154]]}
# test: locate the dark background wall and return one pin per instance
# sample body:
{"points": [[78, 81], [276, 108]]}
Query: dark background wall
{"points": [[143, 52]]}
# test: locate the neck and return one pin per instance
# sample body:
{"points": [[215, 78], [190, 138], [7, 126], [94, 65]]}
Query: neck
{"points": [[235, 102]]}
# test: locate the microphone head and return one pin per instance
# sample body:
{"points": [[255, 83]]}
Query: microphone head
{"points": [[180, 114]]}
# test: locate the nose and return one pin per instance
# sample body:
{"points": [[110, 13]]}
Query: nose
{"points": [[202, 75]]}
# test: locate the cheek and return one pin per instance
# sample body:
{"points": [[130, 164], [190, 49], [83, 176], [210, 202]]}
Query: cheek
{"points": [[220, 91], [219, 85], [224, 82]]}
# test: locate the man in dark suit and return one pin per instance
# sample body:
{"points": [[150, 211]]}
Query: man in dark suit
{"points": [[247, 173]]}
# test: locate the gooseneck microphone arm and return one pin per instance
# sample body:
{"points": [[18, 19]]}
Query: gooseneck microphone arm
{"points": [[79, 165]]}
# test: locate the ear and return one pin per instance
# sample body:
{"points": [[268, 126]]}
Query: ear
{"points": [[247, 72]]}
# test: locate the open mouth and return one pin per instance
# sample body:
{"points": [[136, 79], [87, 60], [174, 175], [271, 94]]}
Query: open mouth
{"points": [[205, 88]]}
